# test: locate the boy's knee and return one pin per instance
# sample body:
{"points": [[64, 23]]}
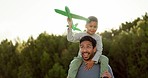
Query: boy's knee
{"points": [[76, 60], [103, 57]]}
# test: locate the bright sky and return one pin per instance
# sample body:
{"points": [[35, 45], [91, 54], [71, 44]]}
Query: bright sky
{"points": [[25, 18]]}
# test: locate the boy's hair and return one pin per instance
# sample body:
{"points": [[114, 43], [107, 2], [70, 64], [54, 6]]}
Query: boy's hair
{"points": [[89, 38], [92, 18]]}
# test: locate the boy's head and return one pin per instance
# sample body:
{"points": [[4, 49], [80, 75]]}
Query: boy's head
{"points": [[91, 18], [91, 25]]}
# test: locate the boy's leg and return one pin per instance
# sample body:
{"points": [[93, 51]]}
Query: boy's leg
{"points": [[74, 66], [104, 64]]}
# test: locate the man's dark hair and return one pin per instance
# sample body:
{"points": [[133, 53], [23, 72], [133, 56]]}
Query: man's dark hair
{"points": [[89, 38], [92, 18]]}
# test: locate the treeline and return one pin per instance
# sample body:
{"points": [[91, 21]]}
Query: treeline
{"points": [[49, 56]]}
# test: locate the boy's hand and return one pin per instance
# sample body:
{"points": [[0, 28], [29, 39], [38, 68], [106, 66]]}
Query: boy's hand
{"points": [[69, 22], [89, 64]]}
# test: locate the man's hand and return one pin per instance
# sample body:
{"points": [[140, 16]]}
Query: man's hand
{"points": [[106, 74], [89, 64]]}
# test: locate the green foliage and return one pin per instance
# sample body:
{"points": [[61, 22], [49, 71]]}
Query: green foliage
{"points": [[8, 60], [57, 71], [128, 49], [25, 71]]}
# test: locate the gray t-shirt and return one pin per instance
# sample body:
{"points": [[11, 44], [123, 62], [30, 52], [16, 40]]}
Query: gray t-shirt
{"points": [[94, 72]]}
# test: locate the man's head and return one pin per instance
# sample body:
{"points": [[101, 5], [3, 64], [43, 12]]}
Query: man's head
{"points": [[87, 47], [92, 25]]}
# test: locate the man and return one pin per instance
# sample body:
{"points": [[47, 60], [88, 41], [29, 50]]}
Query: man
{"points": [[88, 50]]}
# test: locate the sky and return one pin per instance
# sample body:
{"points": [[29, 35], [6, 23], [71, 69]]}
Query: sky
{"points": [[25, 18]]}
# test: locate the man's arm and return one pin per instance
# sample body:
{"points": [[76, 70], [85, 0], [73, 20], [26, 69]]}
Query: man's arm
{"points": [[108, 74], [110, 71]]}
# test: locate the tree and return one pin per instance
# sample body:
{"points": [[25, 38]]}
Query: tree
{"points": [[57, 71], [8, 60]]}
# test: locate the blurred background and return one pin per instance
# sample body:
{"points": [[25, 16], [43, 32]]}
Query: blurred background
{"points": [[33, 40]]}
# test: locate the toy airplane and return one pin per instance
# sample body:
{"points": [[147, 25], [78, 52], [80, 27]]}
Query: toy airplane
{"points": [[70, 16]]}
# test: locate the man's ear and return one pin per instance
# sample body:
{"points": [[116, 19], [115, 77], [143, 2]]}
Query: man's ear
{"points": [[95, 49]]}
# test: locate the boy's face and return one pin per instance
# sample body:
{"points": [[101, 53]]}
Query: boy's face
{"points": [[87, 50], [91, 27]]}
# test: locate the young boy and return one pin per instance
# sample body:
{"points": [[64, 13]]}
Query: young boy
{"points": [[91, 28]]}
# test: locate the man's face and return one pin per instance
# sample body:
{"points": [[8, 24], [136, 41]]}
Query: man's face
{"points": [[87, 50]]}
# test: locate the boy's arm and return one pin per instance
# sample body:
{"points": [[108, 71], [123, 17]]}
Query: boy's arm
{"points": [[99, 50], [69, 23], [69, 30], [70, 36]]}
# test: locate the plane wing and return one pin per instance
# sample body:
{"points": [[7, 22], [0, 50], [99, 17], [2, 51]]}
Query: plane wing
{"points": [[79, 17], [60, 12], [74, 27], [72, 15]]}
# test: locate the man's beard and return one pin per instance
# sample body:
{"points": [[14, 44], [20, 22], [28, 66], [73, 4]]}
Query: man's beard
{"points": [[86, 54]]}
